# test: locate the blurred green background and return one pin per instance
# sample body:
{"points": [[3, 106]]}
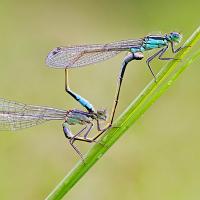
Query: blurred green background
{"points": [[158, 158]]}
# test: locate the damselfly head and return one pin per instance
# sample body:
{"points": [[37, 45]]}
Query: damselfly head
{"points": [[175, 37], [102, 114]]}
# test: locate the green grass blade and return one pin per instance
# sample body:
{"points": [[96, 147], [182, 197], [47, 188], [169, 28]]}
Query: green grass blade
{"points": [[166, 77]]}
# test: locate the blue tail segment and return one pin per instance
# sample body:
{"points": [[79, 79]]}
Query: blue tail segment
{"points": [[85, 103]]}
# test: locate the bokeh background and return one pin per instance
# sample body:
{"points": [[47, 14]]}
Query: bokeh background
{"points": [[158, 158]]}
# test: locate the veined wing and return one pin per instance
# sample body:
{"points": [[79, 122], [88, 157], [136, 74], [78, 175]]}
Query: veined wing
{"points": [[81, 55], [15, 115]]}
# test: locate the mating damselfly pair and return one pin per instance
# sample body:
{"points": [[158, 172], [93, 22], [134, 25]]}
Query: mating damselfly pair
{"points": [[15, 116]]}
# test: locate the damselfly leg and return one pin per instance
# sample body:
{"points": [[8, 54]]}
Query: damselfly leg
{"points": [[160, 54]]}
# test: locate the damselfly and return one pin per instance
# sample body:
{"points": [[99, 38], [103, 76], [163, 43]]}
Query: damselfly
{"points": [[82, 55], [15, 116]]}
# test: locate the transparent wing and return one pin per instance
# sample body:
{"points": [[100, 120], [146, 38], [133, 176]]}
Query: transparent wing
{"points": [[15, 115], [76, 56]]}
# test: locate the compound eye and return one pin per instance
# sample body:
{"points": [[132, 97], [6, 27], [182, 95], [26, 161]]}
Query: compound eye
{"points": [[175, 34]]}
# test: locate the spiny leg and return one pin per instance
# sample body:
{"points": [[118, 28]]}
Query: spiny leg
{"points": [[72, 138], [160, 53], [90, 140], [77, 151], [151, 58], [84, 138], [88, 131], [85, 103], [178, 49], [76, 136], [173, 50]]}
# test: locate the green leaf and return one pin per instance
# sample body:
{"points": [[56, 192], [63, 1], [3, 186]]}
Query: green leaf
{"points": [[166, 77]]}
